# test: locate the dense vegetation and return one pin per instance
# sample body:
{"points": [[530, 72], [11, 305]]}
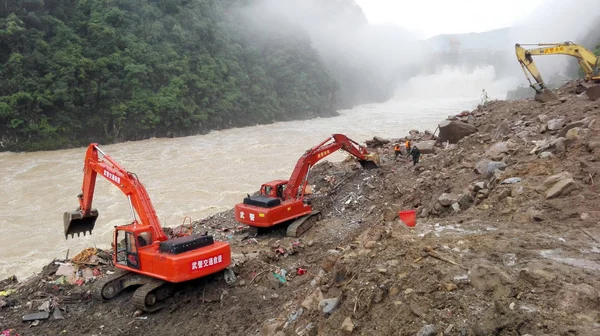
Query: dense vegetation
{"points": [[75, 71]]}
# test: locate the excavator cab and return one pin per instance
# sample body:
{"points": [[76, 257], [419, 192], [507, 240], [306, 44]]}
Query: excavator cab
{"points": [[77, 222], [126, 248]]}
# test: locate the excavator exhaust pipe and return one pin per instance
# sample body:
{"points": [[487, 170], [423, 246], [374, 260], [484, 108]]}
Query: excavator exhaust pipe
{"points": [[545, 96], [373, 161], [77, 223]]}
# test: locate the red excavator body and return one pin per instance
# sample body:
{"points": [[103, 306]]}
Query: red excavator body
{"points": [[143, 253], [281, 201]]}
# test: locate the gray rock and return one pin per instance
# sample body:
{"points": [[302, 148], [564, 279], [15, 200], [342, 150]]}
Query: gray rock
{"points": [[502, 130], [426, 147], [563, 132], [535, 214], [493, 165], [592, 145], [561, 187], [552, 180], [465, 200], [511, 180], [556, 124], [498, 148], [428, 330], [543, 118], [556, 145], [328, 305], [446, 199], [452, 130], [481, 167], [545, 155], [479, 185], [456, 207]]}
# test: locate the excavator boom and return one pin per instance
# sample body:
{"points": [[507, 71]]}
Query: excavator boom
{"points": [[586, 59], [322, 150], [84, 218]]}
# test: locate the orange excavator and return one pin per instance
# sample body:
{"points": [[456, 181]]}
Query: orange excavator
{"points": [[143, 254], [283, 201]]}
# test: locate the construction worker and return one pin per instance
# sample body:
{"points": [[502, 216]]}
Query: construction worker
{"points": [[397, 150], [408, 147], [415, 152]]}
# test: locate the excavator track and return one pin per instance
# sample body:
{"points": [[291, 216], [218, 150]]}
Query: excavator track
{"points": [[302, 224], [150, 296], [109, 286]]}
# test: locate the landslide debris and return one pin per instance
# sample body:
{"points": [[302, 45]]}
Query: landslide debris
{"points": [[507, 243]]}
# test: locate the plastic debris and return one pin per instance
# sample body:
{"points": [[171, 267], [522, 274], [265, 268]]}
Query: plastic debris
{"points": [[279, 277], [511, 180]]}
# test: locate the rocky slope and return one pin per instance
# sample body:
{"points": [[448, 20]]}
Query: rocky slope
{"points": [[506, 243]]}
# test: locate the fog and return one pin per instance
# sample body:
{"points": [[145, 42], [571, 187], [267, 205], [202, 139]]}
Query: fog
{"points": [[372, 61], [559, 21], [366, 59]]}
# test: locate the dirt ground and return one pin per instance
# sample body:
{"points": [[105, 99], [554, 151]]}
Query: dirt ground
{"points": [[506, 251]]}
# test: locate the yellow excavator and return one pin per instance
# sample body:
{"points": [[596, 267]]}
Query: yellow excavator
{"points": [[587, 60]]}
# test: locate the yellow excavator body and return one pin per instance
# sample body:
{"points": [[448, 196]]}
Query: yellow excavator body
{"points": [[586, 59]]}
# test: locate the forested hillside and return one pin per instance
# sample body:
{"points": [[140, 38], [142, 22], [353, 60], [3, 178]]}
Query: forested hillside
{"points": [[75, 71]]}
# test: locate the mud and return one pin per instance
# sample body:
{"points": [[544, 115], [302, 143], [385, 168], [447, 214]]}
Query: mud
{"points": [[507, 243]]}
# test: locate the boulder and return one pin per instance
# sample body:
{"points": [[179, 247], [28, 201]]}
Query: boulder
{"points": [[446, 199], [563, 132], [499, 148], [453, 131], [562, 187], [426, 147], [481, 167], [377, 142], [556, 124]]}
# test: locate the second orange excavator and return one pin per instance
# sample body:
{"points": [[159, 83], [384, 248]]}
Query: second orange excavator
{"points": [[283, 201], [143, 254]]}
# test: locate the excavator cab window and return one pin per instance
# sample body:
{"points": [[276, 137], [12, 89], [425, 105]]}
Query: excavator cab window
{"points": [[596, 71], [267, 190], [127, 253], [144, 239], [280, 189]]}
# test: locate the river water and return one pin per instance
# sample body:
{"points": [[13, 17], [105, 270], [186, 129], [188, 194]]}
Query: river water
{"points": [[201, 175]]}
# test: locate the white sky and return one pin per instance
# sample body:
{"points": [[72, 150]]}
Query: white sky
{"points": [[432, 17]]}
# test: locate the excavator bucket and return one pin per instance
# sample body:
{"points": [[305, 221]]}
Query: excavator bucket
{"points": [[592, 90], [545, 96], [372, 161], [76, 222]]}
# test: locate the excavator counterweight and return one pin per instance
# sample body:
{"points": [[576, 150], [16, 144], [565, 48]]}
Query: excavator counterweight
{"points": [[284, 201]]}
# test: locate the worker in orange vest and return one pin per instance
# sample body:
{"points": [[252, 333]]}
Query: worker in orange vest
{"points": [[408, 147], [397, 150]]}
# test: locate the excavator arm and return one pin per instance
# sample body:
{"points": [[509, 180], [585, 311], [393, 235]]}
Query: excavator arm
{"points": [[312, 156], [586, 59], [84, 218]]}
